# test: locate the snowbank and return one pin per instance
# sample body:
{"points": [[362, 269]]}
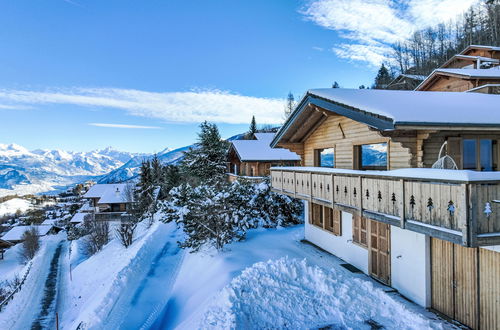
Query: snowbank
{"points": [[290, 293]]}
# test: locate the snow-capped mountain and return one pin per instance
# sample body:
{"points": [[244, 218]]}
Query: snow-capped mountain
{"points": [[23, 171]]}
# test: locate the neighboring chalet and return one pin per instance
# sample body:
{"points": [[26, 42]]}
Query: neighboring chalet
{"points": [[474, 67], [254, 157], [406, 82], [432, 234], [109, 201]]}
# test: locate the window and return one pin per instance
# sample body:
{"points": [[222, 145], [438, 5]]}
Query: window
{"points": [[479, 154], [325, 157], [372, 156], [359, 232], [333, 220], [326, 218]]}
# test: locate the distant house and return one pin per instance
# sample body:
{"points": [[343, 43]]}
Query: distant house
{"points": [[406, 81], [3, 246], [109, 201], [432, 234], [474, 67], [15, 234], [78, 218], [254, 157]]}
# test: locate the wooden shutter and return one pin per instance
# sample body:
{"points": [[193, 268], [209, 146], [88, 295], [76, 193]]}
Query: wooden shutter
{"points": [[337, 222], [356, 220], [317, 213], [328, 214]]}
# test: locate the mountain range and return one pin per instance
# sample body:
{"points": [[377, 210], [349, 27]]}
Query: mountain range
{"points": [[28, 172], [52, 171]]}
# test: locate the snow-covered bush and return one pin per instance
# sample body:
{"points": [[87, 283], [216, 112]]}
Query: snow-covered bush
{"points": [[217, 215], [97, 237], [31, 244], [7, 287]]}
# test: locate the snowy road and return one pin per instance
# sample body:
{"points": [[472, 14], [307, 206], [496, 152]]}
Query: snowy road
{"points": [[148, 287], [33, 306]]}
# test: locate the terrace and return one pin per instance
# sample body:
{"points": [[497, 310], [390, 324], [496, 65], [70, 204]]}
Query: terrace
{"points": [[459, 206]]}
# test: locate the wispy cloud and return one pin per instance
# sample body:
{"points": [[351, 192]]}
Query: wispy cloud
{"points": [[369, 27], [193, 106], [123, 126], [14, 107]]}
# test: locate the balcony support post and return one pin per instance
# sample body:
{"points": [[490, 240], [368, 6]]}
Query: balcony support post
{"points": [[310, 187], [332, 188], [473, 220], [402, 203], [281, 180], [465, 215], [294, 184], [359, 196]]}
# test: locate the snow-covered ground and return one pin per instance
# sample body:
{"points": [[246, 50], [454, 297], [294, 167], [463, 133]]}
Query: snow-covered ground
{"points": [[12, 205], [270, 280]]}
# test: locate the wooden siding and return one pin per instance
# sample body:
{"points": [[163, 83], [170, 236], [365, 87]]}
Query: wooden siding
{"points": [[329, 135], [443, 83], [489, 293], [442, 276], [465, 283]]}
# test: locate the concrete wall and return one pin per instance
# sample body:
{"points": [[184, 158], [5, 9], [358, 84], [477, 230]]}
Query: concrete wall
{"points": [[341, 246], [410, 265]]}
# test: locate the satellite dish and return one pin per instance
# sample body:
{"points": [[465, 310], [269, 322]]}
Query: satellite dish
{"points": [[445, 162]]}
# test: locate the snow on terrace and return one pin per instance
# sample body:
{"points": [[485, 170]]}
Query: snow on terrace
{"points": [[260, 149], [273, 280], [417, 107]]}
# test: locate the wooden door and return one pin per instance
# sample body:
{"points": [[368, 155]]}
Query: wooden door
{"points": [[442, 277], [379, 251], [465, 285]]}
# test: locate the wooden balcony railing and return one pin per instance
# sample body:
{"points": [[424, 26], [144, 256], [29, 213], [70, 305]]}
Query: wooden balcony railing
{"points": [[459, 206]]}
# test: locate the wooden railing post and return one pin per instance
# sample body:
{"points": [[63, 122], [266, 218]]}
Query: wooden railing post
{"points": [[332, 187], [294, 184], [464, 216], [360, 195], [310, 186], [473, 220], [282, 181], [402, 201]]}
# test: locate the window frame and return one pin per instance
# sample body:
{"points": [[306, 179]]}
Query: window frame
{"points": [[317, 156], [494, 152], [358, 232], [358, 159]]}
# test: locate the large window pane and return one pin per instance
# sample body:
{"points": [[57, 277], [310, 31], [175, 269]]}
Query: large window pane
{"points": [[470, 154], [486, 154], [374, 156], [327, 157]]}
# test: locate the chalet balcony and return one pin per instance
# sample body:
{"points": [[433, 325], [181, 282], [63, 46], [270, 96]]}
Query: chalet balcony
{"points": [[462, 207]]}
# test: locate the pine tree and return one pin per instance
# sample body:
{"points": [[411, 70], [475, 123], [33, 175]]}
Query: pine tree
{"points": [[253, 126], [156, 170], [290, 105], [383, 78], [206, 161], [335, 85]]}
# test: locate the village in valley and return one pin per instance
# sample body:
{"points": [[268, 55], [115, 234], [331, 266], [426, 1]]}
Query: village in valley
{"points": [[375, 207]]}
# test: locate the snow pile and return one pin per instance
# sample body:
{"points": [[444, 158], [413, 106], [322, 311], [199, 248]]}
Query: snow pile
{"points": [[290, 293], [12, 205]]}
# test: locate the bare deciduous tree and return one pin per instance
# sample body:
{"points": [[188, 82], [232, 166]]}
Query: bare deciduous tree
{"points": [[31, 244]]}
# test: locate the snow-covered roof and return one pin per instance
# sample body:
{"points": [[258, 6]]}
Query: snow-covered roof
{"points": [[78, 217], [260, 149], [108, 193], [386, 109], [471, 73], [49, 222], [16, 233], [494, 48]]}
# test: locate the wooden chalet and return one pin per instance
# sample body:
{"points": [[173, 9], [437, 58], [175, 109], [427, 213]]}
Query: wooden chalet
{"points": [[372, 199], [252, 158], [474, 67], [108, 201], [406, 82]]}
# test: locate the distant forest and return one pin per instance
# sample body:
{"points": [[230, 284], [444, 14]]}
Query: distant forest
{"points": [[428, 49]]}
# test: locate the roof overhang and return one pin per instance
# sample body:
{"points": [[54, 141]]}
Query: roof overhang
{"points": [[314, 106], [436, 74]]}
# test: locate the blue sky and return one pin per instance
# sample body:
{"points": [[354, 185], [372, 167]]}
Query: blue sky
{"points": [[167, 65]]}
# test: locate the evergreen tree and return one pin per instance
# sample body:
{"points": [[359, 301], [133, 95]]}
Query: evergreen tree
{"points": [[156, 170], [335, 85], [206, 162], [383, 78], [253, 126], [290, 105]]}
